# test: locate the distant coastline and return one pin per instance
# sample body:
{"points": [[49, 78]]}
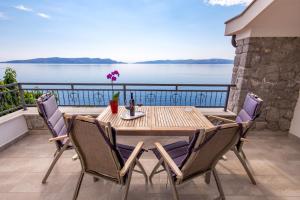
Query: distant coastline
{"points": [[58, 60], [189, 61]]}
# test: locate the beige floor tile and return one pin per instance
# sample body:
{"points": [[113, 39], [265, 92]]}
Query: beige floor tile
{"points": [[274, 159]]}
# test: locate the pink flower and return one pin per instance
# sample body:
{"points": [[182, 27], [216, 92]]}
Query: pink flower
{"points": [[113, 75], [109, 76], [116, 72]]}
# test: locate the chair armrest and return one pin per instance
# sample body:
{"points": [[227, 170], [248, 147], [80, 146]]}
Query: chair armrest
{"points": [[245, 140], [168, 160], [90, 116], [221, 119], [131, 159], [62, 137], [75, 157]]}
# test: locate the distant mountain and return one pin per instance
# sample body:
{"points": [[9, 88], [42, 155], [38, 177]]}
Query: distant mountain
{"points": [[57, 60], [189, 61]]}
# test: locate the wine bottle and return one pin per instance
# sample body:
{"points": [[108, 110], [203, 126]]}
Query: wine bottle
{"points": [[131, 105]]}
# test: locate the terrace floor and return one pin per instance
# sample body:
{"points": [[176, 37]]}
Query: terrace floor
{"points": [[274, 157]]}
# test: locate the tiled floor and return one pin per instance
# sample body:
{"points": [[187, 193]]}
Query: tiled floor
{"points": [[274, 157]]}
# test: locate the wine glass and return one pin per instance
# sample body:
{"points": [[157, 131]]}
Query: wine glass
{"points": [[139, 107], [127, 107]]}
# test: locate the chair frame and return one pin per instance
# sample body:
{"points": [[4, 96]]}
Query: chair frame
{"points": [[170, 165], [57, 154], [127, 169], [238, 149], [59, 149]]}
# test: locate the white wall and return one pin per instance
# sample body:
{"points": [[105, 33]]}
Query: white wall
{"points": [[295, 126], [12, 129], [281, 19], [267, 18]]}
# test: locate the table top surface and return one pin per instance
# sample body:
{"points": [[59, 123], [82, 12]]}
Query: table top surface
{"points": [[159, 120]]}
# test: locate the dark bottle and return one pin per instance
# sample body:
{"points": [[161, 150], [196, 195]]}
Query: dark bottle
{"points": [[131, 105]]}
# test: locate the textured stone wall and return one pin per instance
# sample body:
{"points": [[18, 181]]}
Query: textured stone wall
{"points": [[35, 122], [269, 67]]}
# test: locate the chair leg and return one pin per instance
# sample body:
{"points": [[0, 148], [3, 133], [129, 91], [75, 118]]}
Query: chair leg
{"points": [[155, 169], [128, 183], [207, 177], [243, 153], [55, 153], [245, 166], [142, 169], [78, 186], [218, 182], [174, 190], [57, 156]]}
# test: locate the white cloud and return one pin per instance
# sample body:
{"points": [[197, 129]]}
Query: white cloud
{"points": [[228, 2], [23, 8], [2, 16], [27, 9], [43, 15]]}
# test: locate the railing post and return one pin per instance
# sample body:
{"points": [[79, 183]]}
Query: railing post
{"points": [[22, 96], [227, 98], [124, 94]]}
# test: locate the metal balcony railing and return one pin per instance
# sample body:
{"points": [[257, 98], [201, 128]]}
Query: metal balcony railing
{"points": [[99, 94]]}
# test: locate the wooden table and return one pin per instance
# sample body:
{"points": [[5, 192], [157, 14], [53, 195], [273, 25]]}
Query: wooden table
{"points": [[158, 121]]}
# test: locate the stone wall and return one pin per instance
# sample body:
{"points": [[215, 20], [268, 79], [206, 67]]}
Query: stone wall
{"points": [[269, 67], [36, 124]]}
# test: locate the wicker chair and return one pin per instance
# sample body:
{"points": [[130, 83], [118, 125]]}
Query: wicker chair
{"points": [[100, 155], [251, 110], [184, 161], [53, 118]]}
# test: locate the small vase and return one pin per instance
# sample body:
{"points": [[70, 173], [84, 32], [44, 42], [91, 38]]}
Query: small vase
{"points": [[114, 106]]}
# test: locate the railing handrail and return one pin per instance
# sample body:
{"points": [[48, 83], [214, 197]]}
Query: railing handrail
{"points": [[133, 84], [8, 85], [211, 95]]}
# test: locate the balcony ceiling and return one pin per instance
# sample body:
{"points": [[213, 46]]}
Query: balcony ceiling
{"points": [[267, 18]]}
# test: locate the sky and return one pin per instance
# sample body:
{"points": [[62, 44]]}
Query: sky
{"points": [[123, 30]]}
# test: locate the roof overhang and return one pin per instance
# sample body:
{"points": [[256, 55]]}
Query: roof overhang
{"points": [[240, 22]]}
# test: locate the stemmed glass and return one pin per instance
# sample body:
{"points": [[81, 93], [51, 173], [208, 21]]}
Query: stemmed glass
{"points": [[127, 107], [139, 107]]}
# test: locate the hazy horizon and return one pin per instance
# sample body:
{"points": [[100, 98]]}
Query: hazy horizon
{"points": [[132, 62]]}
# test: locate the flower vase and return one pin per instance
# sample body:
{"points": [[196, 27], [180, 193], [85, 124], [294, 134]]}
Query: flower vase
{"points": [[114, 106]]}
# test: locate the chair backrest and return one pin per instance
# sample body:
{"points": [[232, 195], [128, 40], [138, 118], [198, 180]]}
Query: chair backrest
{"points": [[208, 149], [251, 108], [53, 117], [95, 144]]}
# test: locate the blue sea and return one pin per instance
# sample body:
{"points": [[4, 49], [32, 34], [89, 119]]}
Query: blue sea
{"points": [[130, 73], [91, 95]]}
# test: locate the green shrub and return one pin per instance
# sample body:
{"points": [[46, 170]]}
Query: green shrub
{"points": [[10, 76], [12, 100], [32, 96], [9, 100]]}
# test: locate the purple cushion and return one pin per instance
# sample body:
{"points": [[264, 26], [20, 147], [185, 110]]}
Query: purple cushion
{"points": [[178, 151], [250, 110], [243, 117], [52, 115], [125, 151], [50, 106]]}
